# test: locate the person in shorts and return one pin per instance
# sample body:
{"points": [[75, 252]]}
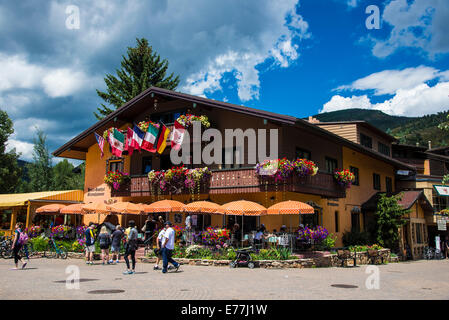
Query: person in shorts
{"points": [[158, 251], [90, 243], [104, 241], [117, 236]]}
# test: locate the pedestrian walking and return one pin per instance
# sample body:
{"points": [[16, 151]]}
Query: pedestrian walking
{"points": [[104, 241], [148, 228], [117, 236], [168, 245], [158, 250], [90, 244], [131, 247], [20, 238]]}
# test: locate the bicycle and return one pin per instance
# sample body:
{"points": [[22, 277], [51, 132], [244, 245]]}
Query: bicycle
{"points": [[55, 251], [5, 248], [429, 253]]}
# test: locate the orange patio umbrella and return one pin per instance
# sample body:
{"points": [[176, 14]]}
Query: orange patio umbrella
{"points": [[50, 208], [164, 206], [95, 207], [125, 208], [290, 207], [243, 208], [72, 209], [203, 207]]}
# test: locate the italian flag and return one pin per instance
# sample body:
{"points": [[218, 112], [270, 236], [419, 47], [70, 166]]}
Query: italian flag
{"points": [[117, 142], [149, 139], [178, 136], [162, 139]]}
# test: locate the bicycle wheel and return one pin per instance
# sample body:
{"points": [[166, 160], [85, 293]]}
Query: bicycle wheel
{"points": [[50, 252], [62, 252], [6, 253]]}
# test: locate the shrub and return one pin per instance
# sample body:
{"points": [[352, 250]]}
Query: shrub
{"points": [[329, 242], [39, 243], [77, 246], [353, 238]]}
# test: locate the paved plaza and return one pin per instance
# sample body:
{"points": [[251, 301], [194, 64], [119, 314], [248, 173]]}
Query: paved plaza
{"points": [[46, 279]]}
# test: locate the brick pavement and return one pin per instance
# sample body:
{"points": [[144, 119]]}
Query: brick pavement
{"points": [[45, 279]]}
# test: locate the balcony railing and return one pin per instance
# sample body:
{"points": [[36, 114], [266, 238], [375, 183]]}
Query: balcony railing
{"points": [[246, 180]]}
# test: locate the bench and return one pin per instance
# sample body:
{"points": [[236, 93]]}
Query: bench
{"points": [[344, 255]]}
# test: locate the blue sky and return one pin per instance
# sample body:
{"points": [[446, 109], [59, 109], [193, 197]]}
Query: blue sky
{"points": [[292, 57]]}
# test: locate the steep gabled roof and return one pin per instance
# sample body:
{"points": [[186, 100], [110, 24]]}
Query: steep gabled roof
{"points": [[77, 147]]}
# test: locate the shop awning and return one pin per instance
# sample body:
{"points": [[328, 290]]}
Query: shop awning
{"points": [[21, 199], [72, 209], [125, 208]]}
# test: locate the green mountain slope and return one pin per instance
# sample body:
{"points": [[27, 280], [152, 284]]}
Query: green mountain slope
{"points": [[409, 130]]}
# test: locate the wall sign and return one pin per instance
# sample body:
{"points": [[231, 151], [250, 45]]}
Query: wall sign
{"points": [[442, 190], [441, 225]]}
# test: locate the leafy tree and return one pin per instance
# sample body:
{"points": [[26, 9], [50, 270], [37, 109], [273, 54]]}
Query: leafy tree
{"points": [[65, 178], [141, 69], [10, 171], [389, 218], [40, 171]]}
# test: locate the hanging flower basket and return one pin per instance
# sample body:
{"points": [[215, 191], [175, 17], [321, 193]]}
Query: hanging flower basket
{"points": [[116, 178], [280, 169], [187, 120], [178, 179], [344, 178], [304, 167], [143, 125]]}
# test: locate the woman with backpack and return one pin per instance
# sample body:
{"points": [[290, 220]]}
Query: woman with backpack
{"points": [[20, 238], [104, 241]]}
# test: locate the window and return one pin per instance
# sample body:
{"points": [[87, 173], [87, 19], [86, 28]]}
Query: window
{"points": [[376, 181], [147, 164], [419, 234], [337, 226], [383, 148], [303, 154], [355, 171], [165, 162], [366, 141], [355, 222], [114, 164], [439, 202], [389, 184], [331, 165]]}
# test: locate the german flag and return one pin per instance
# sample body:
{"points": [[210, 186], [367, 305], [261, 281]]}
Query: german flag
{"points": [[162, 138]]}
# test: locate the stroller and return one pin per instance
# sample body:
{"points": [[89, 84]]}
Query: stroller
{"points": [[243, 258]]}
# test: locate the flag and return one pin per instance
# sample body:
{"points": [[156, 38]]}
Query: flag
{"points": [[117, 142], [100, 141], [178, 136], [149, 139], [134, 139], [162, 139]]}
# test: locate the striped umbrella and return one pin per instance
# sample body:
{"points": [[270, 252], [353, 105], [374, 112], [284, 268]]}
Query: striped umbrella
{"points": [[50, 208], [290, 207], [164, 206], [96, 207]]}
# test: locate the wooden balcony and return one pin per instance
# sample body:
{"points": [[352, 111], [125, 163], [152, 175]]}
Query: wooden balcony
{"points": [[230, 181]]}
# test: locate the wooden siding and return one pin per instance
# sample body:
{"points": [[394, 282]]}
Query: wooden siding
{"points": [[347, 131]]}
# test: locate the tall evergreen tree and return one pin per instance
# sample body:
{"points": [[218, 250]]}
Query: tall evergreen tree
{"points": [[10, 171], [40, 171], [141, 69], [65, 178]]}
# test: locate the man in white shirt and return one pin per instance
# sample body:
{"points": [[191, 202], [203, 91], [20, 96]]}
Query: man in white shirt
{"points": [[168, 245]]}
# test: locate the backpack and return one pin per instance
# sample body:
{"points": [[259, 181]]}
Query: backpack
{"points": [[104, 240], [23, 238]]}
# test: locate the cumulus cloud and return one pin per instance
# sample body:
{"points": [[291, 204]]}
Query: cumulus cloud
{"points": [[418, 24], [51, 72], [25, 148], [412, 95]]}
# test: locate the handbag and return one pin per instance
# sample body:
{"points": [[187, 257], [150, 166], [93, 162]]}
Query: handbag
{"points": [[144, 228]]}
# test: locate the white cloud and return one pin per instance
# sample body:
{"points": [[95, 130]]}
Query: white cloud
{"points": [[419, 24], [25, 148], [412, 96], [18, 73], [389, 81]]}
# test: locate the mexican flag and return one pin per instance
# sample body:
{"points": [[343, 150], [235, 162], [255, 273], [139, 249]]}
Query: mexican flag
{"points": [[117, 142], [149, 139], [162, 139], [178, 136]]}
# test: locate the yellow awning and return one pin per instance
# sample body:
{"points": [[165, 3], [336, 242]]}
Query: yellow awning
{"points": [[20, 199]]}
